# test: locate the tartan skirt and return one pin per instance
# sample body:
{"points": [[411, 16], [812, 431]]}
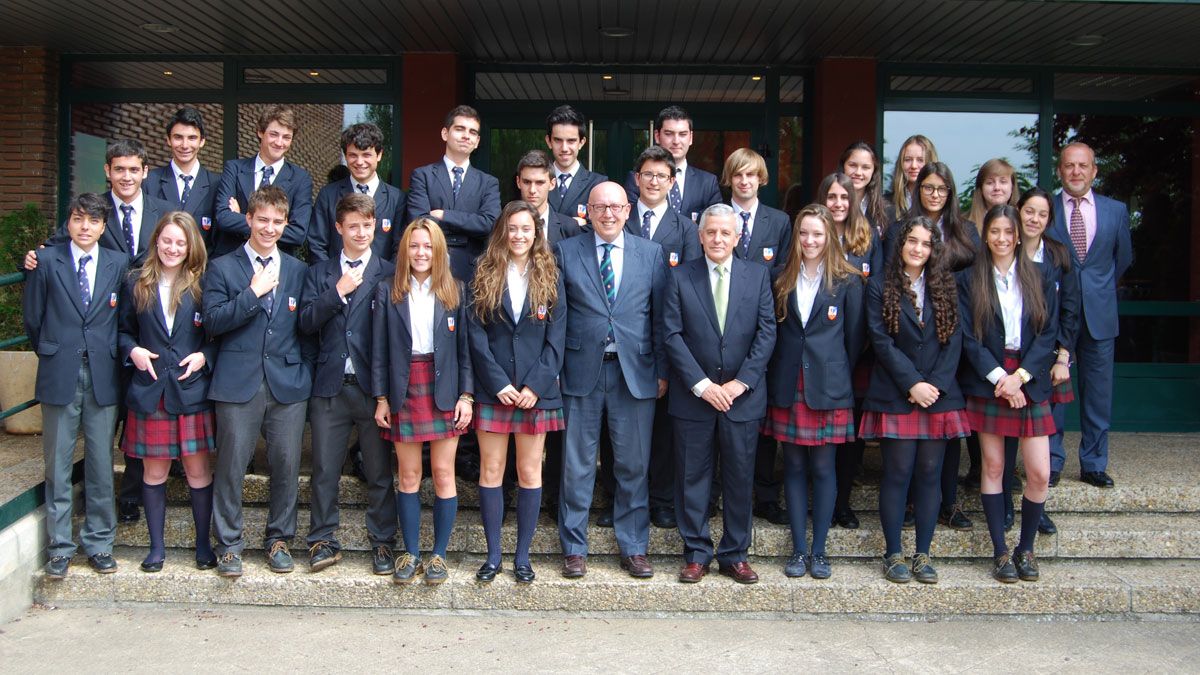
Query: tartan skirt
{"points": [[1062, 393], [916, 425], [419, 419], [995, 416], [161, 435], [801, 425], [507, 419]]}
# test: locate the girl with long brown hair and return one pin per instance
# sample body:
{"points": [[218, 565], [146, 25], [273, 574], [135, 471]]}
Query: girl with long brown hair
{"points": [[169, 414], [421, 380], [860, 163], [818, 304], [517, 336]]}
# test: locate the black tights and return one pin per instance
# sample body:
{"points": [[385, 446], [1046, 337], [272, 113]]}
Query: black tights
{"points": [[917, 463], [800, 462]]}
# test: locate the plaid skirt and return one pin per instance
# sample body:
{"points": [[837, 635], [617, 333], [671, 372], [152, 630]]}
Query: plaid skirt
{"points": [[1062, 393], [916, 425], [995, 416], [507, 419], [419, 419], [802, 425], [161, 435]]}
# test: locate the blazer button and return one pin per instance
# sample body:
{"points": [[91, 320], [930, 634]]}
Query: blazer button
{"points": [[270, 331], [343, 355], [437, 373], [349, 333]]}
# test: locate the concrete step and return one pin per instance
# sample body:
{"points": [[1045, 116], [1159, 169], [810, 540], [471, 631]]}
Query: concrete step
{"points": [[1107, 536], [1072, 588], [1071, 495]]}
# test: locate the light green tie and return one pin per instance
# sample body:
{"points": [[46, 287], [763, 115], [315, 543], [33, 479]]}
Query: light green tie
{"points": [[721, 298]]}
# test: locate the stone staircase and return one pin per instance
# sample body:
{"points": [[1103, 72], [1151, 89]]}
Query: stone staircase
{"points": [[1130, 551]]}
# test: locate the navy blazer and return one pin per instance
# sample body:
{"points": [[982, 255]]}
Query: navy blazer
{"points": [[574, 203], [149, 329], [1037, 350], [466, 220], [324, 242], [343, 329], [202, 200], [1070, 300], [910, 356], [770, 238], [698, 349], [253, 344], [826, 349], [524, 351], [562, 227], [391, 350], [113, 237], [678, 236], [635, 316], [61, 331], [701, 190], [1110, 254], [237, 180], [869, 263]]}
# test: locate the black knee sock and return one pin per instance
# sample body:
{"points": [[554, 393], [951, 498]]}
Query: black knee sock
{"points": [[154, 501], [824, 486], [993, 509], [202, 506], [795, 491], [491, 512], [1031, 515], [529, 503]]}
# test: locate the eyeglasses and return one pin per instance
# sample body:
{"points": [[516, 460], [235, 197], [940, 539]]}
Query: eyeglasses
{"points": [[652, 177], [939, 190], [599, 209]]}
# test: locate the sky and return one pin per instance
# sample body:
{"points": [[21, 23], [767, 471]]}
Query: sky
{"points": [[964, 140]]}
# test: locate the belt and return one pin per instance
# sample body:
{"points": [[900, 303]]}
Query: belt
{"points": [[421, 357], [610, 356]]}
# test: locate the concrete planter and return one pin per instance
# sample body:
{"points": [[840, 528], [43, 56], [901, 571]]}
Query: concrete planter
{"points": [[18, 372]]}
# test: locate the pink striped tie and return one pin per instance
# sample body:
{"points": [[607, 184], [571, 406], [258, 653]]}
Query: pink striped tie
{"points": [[1078, 231]]}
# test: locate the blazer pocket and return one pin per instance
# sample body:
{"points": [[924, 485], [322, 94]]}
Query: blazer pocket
{"points": [[837, 379], [572, 343], [645, 348], [47, 348], [291, 359]]}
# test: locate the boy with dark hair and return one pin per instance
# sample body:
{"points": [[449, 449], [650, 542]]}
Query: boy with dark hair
{"points": [[184, 183], [566, 134], [694, 189]]}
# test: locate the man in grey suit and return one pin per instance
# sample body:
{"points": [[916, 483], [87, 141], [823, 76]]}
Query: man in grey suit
{"points": [[614, 368]]}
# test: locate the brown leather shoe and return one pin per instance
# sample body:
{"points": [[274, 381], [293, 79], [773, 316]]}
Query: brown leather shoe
{"points": [[574, 566], [692, 573], [740, 571], [637, 566]]}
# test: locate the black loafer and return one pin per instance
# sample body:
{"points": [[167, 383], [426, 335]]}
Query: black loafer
{"points": [[487, 572], [605, 518], [663, 517], [1099, 479], [1047, 526], [206, 563], [127, 512], [229, 565], [954, 519], [846, 519], [103, 563], [383, 561], [56, 567], [1027, 567], [321, 555], [524, 574], [152, 566], [1054, 476], [1003, 569]]}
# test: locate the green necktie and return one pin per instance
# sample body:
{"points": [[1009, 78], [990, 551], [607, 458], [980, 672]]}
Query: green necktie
{"points": [[721, 298]]}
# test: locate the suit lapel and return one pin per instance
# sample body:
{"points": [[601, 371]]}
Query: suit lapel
{"points": [[704, 294], [68, 277], [116, 229], [592, 264], [150, 216], [578, 181], [246, 177], [439, 315], [169, 189], [819, 299], [106, 276], [470, 184]]}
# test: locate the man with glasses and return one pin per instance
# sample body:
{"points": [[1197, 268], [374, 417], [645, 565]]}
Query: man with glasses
{"points": [[694, 189], [614, 369]]}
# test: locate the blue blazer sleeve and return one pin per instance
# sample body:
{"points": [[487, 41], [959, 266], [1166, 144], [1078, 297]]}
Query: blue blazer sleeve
{"points": [[476, 223], [380, 354], [227, 220], [544, 374], [753, 371], [856, 325], [321, 229], [683, 363], [897, 364], [300, 207], [490, 377], [226, 308]]}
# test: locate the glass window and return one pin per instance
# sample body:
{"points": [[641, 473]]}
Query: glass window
{"points": [[147, 74], [791, 160], [1125, 87], [960, 85]]}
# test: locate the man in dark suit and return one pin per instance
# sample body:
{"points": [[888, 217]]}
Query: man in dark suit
{"points": [[262, 378], [566, 134], [184, 183], [362, 146], [1096, 231], [764, 236], [720, 330], [336, 307], [614, 368], [465, 201], [70, 316], [694, 189], [242, 177]]}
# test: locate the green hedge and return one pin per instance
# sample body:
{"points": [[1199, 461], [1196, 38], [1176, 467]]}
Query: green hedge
{"points": [[20, 231]]}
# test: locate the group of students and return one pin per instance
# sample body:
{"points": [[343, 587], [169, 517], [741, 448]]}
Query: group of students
{"points": [[689, 336]]}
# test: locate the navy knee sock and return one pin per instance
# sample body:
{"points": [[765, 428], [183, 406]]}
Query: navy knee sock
{"points": [[444, 511], [993, 510], [408, 505], [824, 487], [491, 512], [1031, 515], [529, 503], [795, 492], [202, 506], [154, 501]]}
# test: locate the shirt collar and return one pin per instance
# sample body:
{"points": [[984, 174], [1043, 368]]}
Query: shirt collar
{"points": [[820, 272], [712, 265], [175, 169], [1087, 198], [738, 208], [544, 214], [273, 255], [422, 286], [1040, 254], [573, 170], [372, 183], [136, 203], [681, 167], [365, 258], [450, 164], [619, 242], [1006, 278], [77, 253], [659, 211], [259, 164]]}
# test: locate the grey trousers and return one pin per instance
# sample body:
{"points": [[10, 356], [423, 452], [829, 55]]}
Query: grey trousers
{"points": [[332, 419], [60, 428], [238, 427]]}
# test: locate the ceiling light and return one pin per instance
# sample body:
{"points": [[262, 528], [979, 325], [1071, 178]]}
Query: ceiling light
{"points": [[756, 78], [168, 73], [314, 73], [616, 32], [160, 28], [1087, 40], [606, 77]]}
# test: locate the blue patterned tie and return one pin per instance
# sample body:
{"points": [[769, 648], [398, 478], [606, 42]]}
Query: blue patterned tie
{"points": [[609, 278], [562, 184], [127, 228], [268, 300], [646, 224], [365, 189], [85, 292], [744, 240], [187, 189], [676, 197], [266, 179], [458, 175]]}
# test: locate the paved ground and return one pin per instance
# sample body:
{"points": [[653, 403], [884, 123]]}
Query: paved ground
{"points": [[150, 639]]}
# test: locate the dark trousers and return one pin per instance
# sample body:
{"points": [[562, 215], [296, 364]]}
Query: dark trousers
{"points": [[766, 480], [698, 445], [663, 444], [1094, 392]]}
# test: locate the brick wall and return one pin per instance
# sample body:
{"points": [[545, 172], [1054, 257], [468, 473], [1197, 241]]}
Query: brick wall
{"points": [[146, 122], [28, 129], [315, 144]]}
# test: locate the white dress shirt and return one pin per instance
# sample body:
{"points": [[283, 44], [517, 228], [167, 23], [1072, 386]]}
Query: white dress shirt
{"points": [[366, 260], [518, 287], [806, 291], [372, 185], [420, 314], [558, 171], [180, 173], [259, 165], [918, 288], [466, 166], [164, 301], [659, 212], [138, 204], [1008, 292], [617, 256], [90, 267], [680, 174]]}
